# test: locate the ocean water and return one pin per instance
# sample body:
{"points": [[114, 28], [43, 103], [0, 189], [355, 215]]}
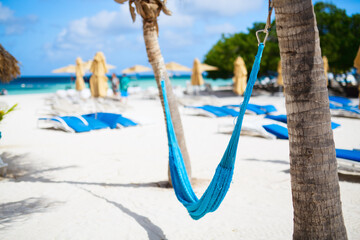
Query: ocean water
{"points": [[50, 84]]}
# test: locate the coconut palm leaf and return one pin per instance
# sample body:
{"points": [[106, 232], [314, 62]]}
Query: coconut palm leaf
{"points": [[149, 10]]}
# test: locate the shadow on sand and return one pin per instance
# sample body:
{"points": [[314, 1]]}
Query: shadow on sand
{"points": [[268, 161], [20, 171], [154, 232], [15, 211]]}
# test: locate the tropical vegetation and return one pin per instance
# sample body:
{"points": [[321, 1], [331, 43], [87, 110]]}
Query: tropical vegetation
{"points": [[339, 41]]}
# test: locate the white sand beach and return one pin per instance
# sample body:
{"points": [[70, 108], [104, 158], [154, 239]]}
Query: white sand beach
{"points": [[110, 184]]}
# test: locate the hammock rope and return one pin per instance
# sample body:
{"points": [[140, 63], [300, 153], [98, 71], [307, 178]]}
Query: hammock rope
{"points": [[220, 183]]}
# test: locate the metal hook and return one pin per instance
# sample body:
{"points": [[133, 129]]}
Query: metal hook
{"points": [[266, 36]]}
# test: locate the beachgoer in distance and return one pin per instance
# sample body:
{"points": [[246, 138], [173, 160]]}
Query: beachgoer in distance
{"points": [[115, 84], [3, 92], [124, 85]]}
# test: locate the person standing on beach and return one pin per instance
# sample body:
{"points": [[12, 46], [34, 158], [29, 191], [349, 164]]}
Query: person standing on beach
{"points": [[124, 85], [115, 84]]}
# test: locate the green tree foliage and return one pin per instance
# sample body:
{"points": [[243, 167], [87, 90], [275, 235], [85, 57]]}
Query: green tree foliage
{"points": [[228, 48], [339, 36]]}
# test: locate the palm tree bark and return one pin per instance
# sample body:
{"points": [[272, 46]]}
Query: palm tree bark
{"points": [[314, 178], [157, 62]]}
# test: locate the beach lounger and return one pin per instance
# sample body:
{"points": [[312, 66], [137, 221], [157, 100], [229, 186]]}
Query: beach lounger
{"points": [[348, 161], [112, 120], [249, 128], [86, 123], [283, 118], [340, 100], [353, 155], [277, 130], [282, 132], [76, 124], [212, 111], [280, 118], [257, 109], [227, 110], [344, 111]]}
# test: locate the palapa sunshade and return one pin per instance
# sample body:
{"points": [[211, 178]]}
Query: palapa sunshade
{"points": [[357, 61], [326, 69], [136, 69], [240, 76], [173, 66], [79, 73], [280, 81], [9, 66], [66, 69], [87, 65], [196, 77], [207, 67], [98, 80]]}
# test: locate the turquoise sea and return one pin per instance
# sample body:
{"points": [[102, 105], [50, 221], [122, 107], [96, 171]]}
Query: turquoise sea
{"points": [[50, 84]]}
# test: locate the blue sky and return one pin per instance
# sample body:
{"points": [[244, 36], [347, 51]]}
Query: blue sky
{"points": [[44, 34]]}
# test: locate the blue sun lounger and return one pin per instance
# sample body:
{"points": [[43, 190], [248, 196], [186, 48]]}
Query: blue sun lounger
{"points": [[282, 132], [283, 118], [113, 120], [353, 155], [76, 124], [86, 123], [214, 110], [257, 109], [340, 100], [277, 130]]}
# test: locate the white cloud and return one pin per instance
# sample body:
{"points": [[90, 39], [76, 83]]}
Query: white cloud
{"points": [[5, 13], [220, 28], [107, 28], [94, 32], [221, 8], [178, 19], [14, 25]]}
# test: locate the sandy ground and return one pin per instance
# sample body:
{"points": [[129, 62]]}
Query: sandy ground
{"points": [[109, 184]]}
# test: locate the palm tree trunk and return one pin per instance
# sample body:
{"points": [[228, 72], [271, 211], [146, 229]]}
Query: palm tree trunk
{"points": [[314, 178], [157, 62]]}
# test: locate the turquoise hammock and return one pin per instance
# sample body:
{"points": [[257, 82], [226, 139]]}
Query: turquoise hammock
{"points": [[220, 183]]}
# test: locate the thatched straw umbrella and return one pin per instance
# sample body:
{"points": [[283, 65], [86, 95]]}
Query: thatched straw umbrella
{"points": [[9, 66], [196, 77], [240, 76], [326, 68], [357, 61], [136, 69], [98, 80], [79, 72]]}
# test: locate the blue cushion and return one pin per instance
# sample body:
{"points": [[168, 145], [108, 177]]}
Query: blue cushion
{"points": [[340, 100], [279, 131], [353, 155], [75, 123], [283, 118], [94, 123], [217, 111], [112, 119], [280, 118]]}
